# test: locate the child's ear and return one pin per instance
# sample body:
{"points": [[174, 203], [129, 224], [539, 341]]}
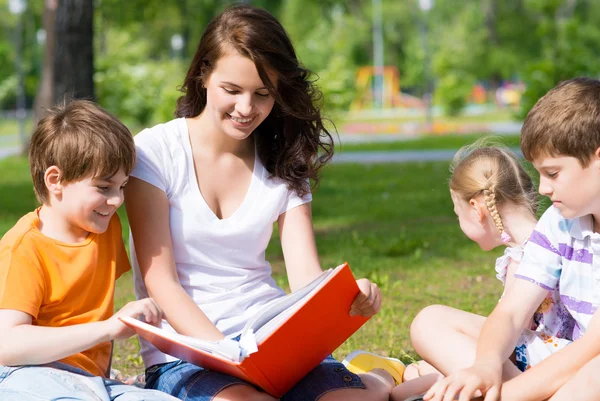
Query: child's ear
{"points": [[597, 154], [52, 179], [479, 210]]}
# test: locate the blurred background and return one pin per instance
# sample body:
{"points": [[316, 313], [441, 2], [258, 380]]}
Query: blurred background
{"points": [[399, 67]]}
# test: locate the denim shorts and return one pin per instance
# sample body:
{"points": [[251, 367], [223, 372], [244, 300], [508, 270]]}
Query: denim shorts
{"points": [[190, 382], [59, 381]]}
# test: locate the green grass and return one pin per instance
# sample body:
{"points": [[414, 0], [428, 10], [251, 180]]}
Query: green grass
{"points": [[434, 142], [393, 223]]}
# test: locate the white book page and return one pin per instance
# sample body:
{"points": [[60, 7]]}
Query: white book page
{"points": [[268, 319], [226, 348]]}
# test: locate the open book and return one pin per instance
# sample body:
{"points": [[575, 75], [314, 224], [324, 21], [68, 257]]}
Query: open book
{"points": [[282, 342]]}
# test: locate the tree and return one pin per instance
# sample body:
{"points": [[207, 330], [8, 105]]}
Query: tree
{"points": [[45, 95], [74, 51]]}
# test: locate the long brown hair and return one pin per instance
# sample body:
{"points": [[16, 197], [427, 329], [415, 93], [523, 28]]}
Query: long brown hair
{"points": [[292, 142]]}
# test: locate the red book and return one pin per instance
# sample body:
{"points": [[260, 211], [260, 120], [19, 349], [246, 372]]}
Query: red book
{"points": [[282, 343]]}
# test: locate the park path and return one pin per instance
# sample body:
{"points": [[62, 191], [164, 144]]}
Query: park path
{"points": [[9, 151], [399, 156]]}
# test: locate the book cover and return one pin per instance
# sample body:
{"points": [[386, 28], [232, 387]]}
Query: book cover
{"points": [[291, 347]]}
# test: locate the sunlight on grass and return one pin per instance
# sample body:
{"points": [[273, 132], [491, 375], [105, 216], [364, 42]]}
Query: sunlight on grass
{"points": [[431, 142]]}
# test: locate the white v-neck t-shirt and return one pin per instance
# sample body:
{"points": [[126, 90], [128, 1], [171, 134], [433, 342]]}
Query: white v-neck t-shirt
{"points": [[220, 262]]}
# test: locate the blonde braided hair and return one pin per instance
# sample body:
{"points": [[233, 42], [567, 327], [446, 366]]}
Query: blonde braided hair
{"points": [[489, 169], [490, 203]]}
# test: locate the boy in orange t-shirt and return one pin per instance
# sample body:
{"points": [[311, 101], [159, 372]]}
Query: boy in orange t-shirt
{"points": [[59, 263]]}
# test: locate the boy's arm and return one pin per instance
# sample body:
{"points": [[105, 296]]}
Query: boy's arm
{"points": [[22, 343], [544, 379], [496, 344]]}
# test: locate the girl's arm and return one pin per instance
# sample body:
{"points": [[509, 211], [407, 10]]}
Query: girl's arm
{"points": [[148, 213], [302, 261], [21, 343], [496, 344], [544, 379]]}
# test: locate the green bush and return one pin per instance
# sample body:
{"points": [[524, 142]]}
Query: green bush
{"points": [[8, 91], [139, 92], [452, 92]]}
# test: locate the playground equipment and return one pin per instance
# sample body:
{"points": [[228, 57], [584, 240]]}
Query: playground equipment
{"points": [[391, 97]]}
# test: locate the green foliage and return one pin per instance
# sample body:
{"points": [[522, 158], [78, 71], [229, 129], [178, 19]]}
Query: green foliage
{"points": [[133, 86], [452, 91], [331, 59], [455, 61], [8, 91], [539, 42], [574, 53]]}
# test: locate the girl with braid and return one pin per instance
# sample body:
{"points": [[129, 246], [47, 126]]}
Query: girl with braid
{"points": [[495, 201]]}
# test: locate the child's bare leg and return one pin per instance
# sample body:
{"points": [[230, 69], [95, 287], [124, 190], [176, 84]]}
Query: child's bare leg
{"points": [[584, 386], [418, 369], [447, 338], [414, 387]]}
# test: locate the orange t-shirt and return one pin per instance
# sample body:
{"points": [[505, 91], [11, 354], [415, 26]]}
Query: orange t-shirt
{"points": [[61, 284]]}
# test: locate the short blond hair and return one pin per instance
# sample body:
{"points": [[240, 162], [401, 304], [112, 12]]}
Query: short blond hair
{"points": [[83, 140], [564, 122], [494, 172]]}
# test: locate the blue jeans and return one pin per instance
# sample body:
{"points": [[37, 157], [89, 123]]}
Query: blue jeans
{"points": [[59, 381], [193, 383]]}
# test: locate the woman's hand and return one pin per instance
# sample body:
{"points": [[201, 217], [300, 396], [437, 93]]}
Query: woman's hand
{"points": [[368, 301]]}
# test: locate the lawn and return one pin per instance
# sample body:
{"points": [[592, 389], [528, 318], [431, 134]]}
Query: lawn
{"points": [[393, 223]]}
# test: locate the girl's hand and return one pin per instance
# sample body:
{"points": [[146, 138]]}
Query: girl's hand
{"points": [[368, 301], [147, 307], [481, 378]]}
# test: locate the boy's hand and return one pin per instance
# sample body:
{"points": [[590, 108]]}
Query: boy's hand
{"points": [[481, 378], [368, 300], [117, 330]]}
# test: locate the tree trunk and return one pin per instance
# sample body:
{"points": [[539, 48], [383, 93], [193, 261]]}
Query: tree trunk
{"points": [[45, 95], [491, 14], [74, 52]]}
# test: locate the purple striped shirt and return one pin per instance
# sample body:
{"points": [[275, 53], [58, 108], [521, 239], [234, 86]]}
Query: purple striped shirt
{"points": [[565, 254]]}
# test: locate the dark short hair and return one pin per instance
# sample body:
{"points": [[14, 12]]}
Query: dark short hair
{"points": [[565, 121], [82, 140]]}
